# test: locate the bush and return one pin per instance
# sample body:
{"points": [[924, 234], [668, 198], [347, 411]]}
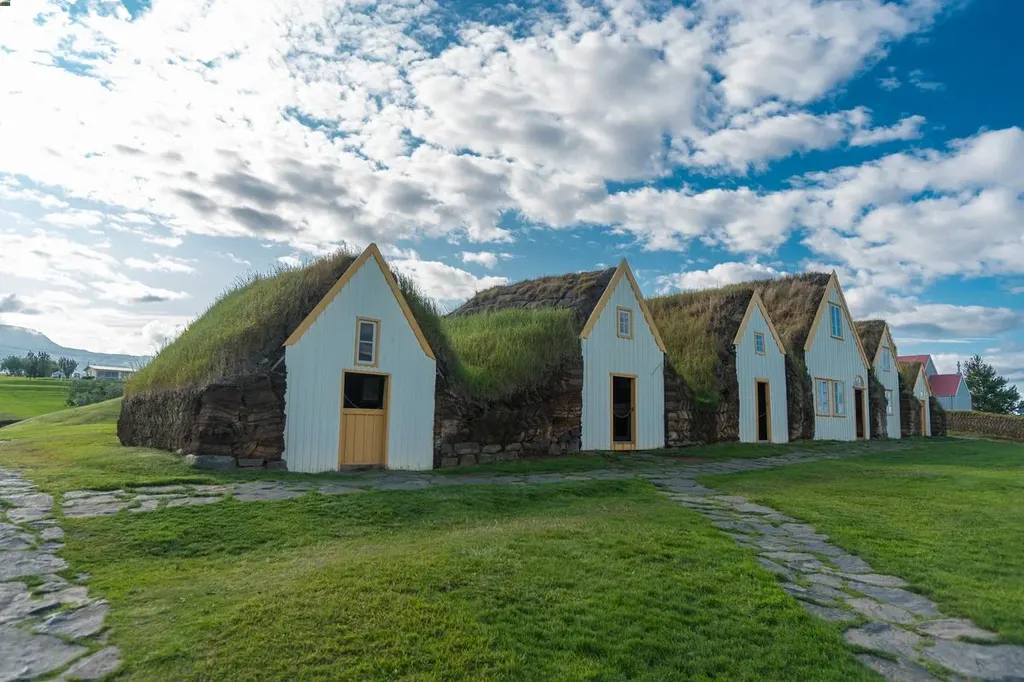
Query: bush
{"points": [[84, 392]]}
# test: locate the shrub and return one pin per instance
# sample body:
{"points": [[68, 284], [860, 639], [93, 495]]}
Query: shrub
{"points": [[86, 392]]}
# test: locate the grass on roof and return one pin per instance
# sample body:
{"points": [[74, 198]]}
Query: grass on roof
{"points": [[242, 332], [503, 352], [698, 328], [792, 303]]}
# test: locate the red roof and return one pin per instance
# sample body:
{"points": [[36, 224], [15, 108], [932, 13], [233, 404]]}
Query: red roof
{"points": [[945, 384], [923, 359]]}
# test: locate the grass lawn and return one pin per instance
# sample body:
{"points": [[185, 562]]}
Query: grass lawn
{"points": [[21, 398], [596, 581], [949, 518]]}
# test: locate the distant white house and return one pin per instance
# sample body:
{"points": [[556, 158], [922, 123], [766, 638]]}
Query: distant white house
{"points": [[58, 375], [109, 373]]}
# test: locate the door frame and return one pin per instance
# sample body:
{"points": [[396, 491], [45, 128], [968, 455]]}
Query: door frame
{"points": [[864, 417], [767, 408], [924, 418], [632, 445], [355, 410]]}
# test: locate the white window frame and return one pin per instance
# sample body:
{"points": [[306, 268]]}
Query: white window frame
{"points": [[628, 318], [888, 403], [886, 360], [838, 391], [374, 344], [835, 317], [758, 336], [830, 386]]}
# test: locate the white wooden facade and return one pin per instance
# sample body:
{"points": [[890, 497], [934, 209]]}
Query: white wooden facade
{"points": [[838, 367], [922, 392], [960, 401], [761, 360], [325, 346], [887, 372], [640, 355]]}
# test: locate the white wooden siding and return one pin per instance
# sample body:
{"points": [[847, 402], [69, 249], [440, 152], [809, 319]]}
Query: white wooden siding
{"points": [[839, 360], [891, 381], [921, 393], [604, 353], [749, 367], [314, 379]]}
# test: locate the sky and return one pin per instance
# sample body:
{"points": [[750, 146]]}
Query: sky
{"points": [[154, 152]]}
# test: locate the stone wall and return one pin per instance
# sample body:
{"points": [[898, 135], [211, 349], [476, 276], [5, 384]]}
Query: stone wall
{"points": [[799, 401], [910, 414], [221, 425], [939, 417], [1005, 426], [876, 407], [686, 422], [543, 422]]}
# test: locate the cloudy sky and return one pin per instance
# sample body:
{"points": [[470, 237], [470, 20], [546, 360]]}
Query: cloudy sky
{"points": [[152, 152]]}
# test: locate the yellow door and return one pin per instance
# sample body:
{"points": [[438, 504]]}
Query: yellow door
{"points": [[363, 437]]}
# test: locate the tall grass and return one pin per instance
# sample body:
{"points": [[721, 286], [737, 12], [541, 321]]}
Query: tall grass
{"points": [[506, 351]]}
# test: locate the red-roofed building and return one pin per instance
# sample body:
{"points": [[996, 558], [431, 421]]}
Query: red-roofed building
{"points": [[925, 360], [949, 389]]}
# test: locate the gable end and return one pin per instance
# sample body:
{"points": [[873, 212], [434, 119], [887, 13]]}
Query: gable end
{"points": [[820, 313], [623, 271]]}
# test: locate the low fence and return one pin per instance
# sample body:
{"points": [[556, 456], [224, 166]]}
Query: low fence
{"points": [[986, 424]]}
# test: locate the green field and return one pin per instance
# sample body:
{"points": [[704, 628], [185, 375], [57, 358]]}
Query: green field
{"points": [[21, 398], [948, 518]]}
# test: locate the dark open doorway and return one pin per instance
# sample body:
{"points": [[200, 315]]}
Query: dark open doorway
{"points": [[623, 412], [858, 412], [764, 432]]}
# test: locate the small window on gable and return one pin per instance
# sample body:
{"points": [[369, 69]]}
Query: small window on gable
{"points": [[759, 343], [836, 320], [886, 360], [367, 336], [624, 329]]}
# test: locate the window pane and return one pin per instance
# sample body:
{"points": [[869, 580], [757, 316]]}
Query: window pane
{"points": [[840, 399], [885, 359], [888, 402], [367, 331], [823, 397], [624, 323], [837, 320], [365, 351], [759, 343]]}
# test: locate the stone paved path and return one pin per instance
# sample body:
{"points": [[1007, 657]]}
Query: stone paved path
{"points": [[908, 630], [48, 623]]}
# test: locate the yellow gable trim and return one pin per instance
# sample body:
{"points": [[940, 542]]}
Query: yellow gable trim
{"points": [[834, 281], [623, 270], [755, 300], [371, 252]]}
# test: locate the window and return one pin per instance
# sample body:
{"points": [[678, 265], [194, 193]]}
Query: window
{"points": [[821, 402], [364, 391], [836, 319], [367, 334], [625, 326], [886, 361], [759, 343], [888, 402], [829, 398], [839, 399]]}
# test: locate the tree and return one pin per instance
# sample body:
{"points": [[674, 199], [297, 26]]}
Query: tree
{"points": [[990, 392], [13, 365], [67, 365]]}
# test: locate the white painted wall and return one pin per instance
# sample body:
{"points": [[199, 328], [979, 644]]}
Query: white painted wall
{"points": [[921, 393], [830, 358], [960, 401], [751, 366], [891, 381], [314, 379], [604, 353]]}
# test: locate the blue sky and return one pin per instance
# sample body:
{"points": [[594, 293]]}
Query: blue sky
{"points": [[155, 152]]}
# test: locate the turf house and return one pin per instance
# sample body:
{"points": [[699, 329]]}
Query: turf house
{"points": [[915, 399], [726, 347], [554, 365], [310, 368], [878, 343]]}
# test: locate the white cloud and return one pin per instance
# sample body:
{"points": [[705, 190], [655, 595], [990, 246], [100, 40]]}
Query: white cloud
{"points": [[918, 80], [169, 242], [289, 261], [923, 321], [74, 218], [159, 333], [444, 282], [908, 128], [717, 276], [487, 259], [160, 264], [889, 83]]}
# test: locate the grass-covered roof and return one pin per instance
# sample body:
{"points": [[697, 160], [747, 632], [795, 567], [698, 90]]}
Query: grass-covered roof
{"points": [[576, 291], [871, 333], [698, 328], [792, 303], [910, 370], [242, 332]]}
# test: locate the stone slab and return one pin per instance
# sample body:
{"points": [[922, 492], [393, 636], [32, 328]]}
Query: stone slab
{"points": [[25, 655], [17, 603], [95, 667], [955, 628], [145, 506], [874, 579], [827, 613], [776, 568], [1002, 662], [26, 514], [876, 611], [16, 564], [210, 461], [82, 622], [879, 636], [101, 509], [897, 671], [849, 563], [915, 603], [34, 500], [270, 495], [824, 579], [52, 533], [186, 501]]}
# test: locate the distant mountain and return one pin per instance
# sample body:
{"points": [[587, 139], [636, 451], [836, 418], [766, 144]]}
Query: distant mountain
{"points": [[19, 341]]}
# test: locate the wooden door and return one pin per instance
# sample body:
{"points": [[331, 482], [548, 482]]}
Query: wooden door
{"points": [[363, 437]]}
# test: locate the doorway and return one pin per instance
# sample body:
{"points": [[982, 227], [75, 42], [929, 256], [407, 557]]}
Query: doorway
{"points": [[623, 414], [764, 411], [362, 440], [858, 413]]}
